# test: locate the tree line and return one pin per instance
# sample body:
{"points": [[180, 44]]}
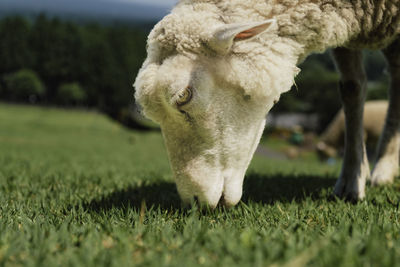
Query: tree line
{"points": [[316, 87], [54, 62]]}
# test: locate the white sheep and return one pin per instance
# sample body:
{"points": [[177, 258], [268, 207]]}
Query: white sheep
{"points": [[216, 67], [332, 139]]}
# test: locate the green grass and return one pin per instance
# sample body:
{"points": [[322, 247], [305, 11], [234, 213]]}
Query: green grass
{"points": [[77, 189]]}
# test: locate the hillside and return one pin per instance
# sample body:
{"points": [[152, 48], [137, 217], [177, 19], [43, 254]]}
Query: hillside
{"points": [[79, 190]]}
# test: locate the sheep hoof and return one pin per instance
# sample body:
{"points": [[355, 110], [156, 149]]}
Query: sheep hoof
{"points": [[383, 173], [350, 189]]}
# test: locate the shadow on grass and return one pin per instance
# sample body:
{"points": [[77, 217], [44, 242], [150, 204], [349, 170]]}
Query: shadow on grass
{"points": [[285, 188], [158, 194], [257, 188]]}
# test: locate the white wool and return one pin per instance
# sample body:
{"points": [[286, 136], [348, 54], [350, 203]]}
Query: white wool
{"points": [[254, 65], [211, 138]]}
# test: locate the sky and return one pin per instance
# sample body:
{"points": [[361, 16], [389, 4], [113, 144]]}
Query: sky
{"points": [[163, 3]]}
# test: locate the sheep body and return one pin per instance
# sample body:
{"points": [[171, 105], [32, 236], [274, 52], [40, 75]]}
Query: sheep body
{"points": [[304, 27], [354, 24], [332, 138], [216, 67]]}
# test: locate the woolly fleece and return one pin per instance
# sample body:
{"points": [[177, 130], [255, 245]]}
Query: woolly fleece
{"points": [[211, 140]]}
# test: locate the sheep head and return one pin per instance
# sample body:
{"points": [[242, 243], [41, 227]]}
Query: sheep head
{"points": [[210, 98]]}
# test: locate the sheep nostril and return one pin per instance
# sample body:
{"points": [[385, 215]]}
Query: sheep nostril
{"points": [[196, 200]]}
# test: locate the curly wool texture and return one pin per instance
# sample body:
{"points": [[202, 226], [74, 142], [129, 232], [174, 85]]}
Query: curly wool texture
{"points": [[266, 64], [316, 24]]}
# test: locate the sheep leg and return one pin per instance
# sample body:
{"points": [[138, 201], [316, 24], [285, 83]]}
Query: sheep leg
{"points": [[386, 167], [355, 169]]}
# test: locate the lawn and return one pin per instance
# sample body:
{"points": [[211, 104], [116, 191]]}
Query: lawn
{"points": [[76, 189]]}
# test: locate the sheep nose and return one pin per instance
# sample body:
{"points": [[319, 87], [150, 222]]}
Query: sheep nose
{"points": [[207, 191], [211, 202]]}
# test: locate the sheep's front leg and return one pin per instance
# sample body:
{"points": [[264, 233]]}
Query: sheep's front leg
{"points": [[386, 167], [355, 169]]}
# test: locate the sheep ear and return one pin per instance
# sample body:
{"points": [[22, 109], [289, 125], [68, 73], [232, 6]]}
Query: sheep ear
{"points": [[224, 37]]}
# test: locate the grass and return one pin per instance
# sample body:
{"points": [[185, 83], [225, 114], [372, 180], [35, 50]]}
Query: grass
{"points": [[78, 190]]}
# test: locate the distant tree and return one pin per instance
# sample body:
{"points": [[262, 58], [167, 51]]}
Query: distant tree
{"points": [[2, 90], [316, 86], [23, 85], [70, 94], [104, 60], [58, 52], [375, 65], [377, 90], [112, 57], [15, 49], [315, 92], [128, 46], [100, 69]]}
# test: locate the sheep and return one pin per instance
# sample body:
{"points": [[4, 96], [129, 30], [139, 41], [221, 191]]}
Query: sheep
{"points": [[332, 139], [215, 68]]}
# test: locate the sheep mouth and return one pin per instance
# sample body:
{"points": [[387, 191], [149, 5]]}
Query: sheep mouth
{"points": [[222, 203]]}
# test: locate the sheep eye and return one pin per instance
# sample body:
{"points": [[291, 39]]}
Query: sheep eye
{"points": [[185, 96]]}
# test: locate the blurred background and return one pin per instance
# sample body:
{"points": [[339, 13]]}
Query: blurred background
{"points": [[85, 54]]}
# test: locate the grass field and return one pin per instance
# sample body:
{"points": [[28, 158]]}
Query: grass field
{"points": [[78, 190]]}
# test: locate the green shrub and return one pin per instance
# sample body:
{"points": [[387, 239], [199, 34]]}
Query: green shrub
{"points": [[2, 90], [378, 90], [71, 94], [23, 85]]}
